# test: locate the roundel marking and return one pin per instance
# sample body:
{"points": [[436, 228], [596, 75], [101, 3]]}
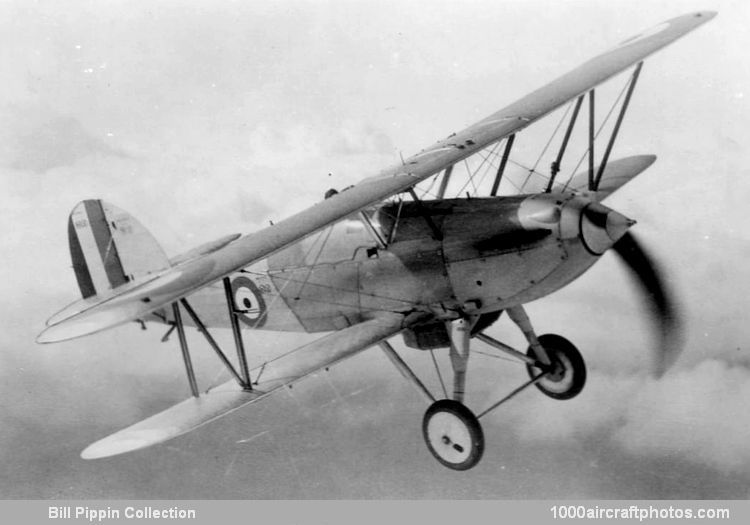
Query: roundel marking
{"points": [[248, 301]]}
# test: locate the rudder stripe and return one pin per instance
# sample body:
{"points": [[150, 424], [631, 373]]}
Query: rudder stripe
{"points": [[81, 269], [107, 248]]}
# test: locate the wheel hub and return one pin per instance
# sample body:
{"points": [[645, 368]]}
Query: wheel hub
{"points": [[565, 376], [556, 371]]}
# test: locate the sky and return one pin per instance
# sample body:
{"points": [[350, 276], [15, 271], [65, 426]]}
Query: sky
{"points": [[208, 118]]}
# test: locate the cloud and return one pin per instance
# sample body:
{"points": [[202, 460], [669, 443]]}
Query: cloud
{"points": [[696, 415], [37, 140], [335, 141], [356, 138], [254, 209], [693, 415]]}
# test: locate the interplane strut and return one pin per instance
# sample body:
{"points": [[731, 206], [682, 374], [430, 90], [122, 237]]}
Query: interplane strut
{"points": [[243, 375]]}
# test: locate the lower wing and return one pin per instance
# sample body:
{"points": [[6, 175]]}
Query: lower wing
{"points": [[272, 376]]}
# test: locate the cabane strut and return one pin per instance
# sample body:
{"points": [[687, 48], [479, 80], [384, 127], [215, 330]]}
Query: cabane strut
{"points": [[436, 233], [555, 168]]}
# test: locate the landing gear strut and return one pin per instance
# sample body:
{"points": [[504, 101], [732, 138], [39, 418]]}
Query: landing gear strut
{"points": [[450, 429]]}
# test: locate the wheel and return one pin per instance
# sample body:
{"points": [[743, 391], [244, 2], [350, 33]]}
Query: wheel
{"points": [[453, 434], [568, 375]]}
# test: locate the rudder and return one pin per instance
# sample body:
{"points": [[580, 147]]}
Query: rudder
{"points": [[110, 248]]}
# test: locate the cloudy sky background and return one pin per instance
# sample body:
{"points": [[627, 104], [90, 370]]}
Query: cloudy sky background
{"points": [[208, 118]]}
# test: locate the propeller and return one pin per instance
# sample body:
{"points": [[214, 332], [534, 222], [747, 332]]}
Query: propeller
{"points": [[659, 298]]}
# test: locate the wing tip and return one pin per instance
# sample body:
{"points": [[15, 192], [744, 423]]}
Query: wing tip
{"points": [[704, 15], [640, 162], [708, 15], [63, 331], [107, 448], [46, 336], [126, 441]]}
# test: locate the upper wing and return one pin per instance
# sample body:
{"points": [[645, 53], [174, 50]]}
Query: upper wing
{"points": [[196, 273], [222, 400]]}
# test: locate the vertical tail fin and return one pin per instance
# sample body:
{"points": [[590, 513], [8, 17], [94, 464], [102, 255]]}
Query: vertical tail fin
{"points": [[110, 248]]}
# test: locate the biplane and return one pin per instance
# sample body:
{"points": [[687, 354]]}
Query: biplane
{"points": [[376, 259]]}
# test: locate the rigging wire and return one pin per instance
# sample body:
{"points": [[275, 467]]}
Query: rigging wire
{"points": [[429, 188], [495, 356], [315, 261], [492, 152], [490, 166]]}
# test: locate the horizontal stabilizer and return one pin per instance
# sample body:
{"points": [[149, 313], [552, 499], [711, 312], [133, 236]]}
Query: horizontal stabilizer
{"points": [[285, 370], [139, 279], [616, 174]]}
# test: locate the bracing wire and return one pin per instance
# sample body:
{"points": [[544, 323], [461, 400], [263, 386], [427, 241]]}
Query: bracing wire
{"points": [[492, 153]]}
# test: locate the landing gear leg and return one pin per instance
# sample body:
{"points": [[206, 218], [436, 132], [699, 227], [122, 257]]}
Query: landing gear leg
{"points": [[459, 354], [451, 431], [518, 315], [560, 359]]}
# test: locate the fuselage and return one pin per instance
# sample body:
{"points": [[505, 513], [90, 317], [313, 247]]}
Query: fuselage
{"points": [[479, 255]]}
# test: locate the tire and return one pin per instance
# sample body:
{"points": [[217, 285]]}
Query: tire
{"points": [[453, 434], [569, 376]]}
